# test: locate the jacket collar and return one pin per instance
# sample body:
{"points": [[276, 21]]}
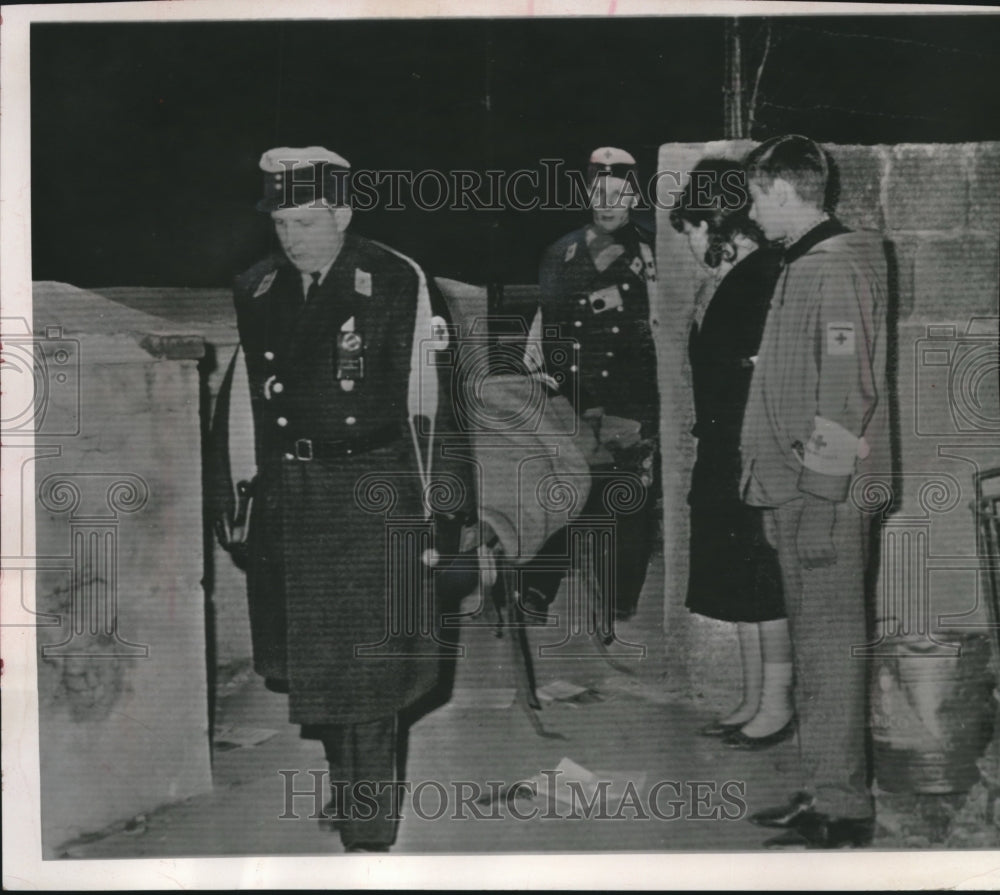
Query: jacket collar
{"points": [[822, 231]]}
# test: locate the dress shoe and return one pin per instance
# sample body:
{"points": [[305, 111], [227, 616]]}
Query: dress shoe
{"points": [[358, 847], [812, 829], [535, 605], [719, 728], [739, 740], [784, 815]]}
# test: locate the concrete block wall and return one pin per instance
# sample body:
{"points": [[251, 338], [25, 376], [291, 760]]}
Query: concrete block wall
{"points": [[938, 207], [115, 469], [209, 312]]}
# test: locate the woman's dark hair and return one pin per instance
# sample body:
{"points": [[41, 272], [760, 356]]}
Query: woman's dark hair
{"points": [[716, 193]]}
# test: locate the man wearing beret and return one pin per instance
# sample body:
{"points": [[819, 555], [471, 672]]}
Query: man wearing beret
{"points": [[595, 284], [353, 498]]}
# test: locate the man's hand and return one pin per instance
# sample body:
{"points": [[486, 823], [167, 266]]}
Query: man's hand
{"points": [[815, 540]]}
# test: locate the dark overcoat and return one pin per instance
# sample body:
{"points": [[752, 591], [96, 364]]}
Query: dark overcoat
{"points": [[733, 574], [341, 609]]}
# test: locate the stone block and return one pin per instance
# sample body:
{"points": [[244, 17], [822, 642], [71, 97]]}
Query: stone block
{"points": [[984, 187], [122, 680], [956, 275], [861, 169], [927, 186], [929, 547]]}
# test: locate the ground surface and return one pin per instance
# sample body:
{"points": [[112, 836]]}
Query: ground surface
{"points": [[626, 728]]}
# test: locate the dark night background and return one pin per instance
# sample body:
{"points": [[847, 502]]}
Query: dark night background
{"points": [[146, 137]]}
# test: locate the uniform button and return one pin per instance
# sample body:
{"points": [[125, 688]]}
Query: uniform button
{"points": [[289, 456], [620, 309], [609, 353], [572, 369], [350, 421], [583, 301], [277, 388], [576, 345], [615, 330], [577, 323], [604, 373], [268, 355], [624, 287], [281, 421]]}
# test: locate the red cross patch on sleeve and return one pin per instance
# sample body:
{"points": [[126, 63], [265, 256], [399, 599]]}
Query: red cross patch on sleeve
{"points": [[839, 338]]}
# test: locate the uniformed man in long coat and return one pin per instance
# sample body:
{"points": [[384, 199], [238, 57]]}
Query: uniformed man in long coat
{"points": [[595, 292], [352, 496]]}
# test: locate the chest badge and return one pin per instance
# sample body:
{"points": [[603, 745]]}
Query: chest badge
{"points": [[570, 253], [350, 356], [636, 266], [265, 284], [606, 299], [362, 282]]}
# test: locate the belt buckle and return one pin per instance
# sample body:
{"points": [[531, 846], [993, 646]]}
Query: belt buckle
{"points": [[303, 449]]}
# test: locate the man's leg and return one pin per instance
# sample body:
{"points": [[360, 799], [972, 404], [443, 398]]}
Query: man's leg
{"points": [[544, 572], [634, 535], [362, 761], [826, 612]]}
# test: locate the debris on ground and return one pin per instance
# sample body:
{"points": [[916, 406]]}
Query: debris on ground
{"points": [[480, 698], [566, 691], [573, 785], [236, 737], [622, 684]]}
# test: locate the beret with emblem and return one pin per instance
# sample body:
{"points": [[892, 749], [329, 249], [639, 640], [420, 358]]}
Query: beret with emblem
{"points": [[295, 177]]}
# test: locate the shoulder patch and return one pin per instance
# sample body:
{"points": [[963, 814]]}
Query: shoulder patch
{"points": [[265, 284], [570, 252]]}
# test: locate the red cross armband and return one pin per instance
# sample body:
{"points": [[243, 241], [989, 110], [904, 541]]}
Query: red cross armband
{"points": [[828, 459]]}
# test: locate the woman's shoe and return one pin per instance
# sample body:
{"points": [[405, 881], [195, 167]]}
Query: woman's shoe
{"points": [[739, 740]]}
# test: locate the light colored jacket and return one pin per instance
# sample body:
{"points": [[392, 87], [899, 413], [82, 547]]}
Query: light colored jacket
{"points": [[818, 409]]}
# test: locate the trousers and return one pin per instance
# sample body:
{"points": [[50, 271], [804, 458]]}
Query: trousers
{"points": [[366, 801], [631, 511], [827, 617]]}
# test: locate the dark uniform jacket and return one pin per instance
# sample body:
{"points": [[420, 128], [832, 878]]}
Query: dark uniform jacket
{"points": [[603, 354], [338, 525]]}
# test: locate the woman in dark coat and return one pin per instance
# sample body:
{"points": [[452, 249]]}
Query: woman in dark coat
{"points": [[734, 573]]}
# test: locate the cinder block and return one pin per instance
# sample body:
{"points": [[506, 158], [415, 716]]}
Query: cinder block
{"points": [[861, 170], [955, 276], [984, 187], [927, 187]]}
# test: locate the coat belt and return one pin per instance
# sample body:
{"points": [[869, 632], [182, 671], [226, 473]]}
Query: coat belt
{"points": [[325, 449]]}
